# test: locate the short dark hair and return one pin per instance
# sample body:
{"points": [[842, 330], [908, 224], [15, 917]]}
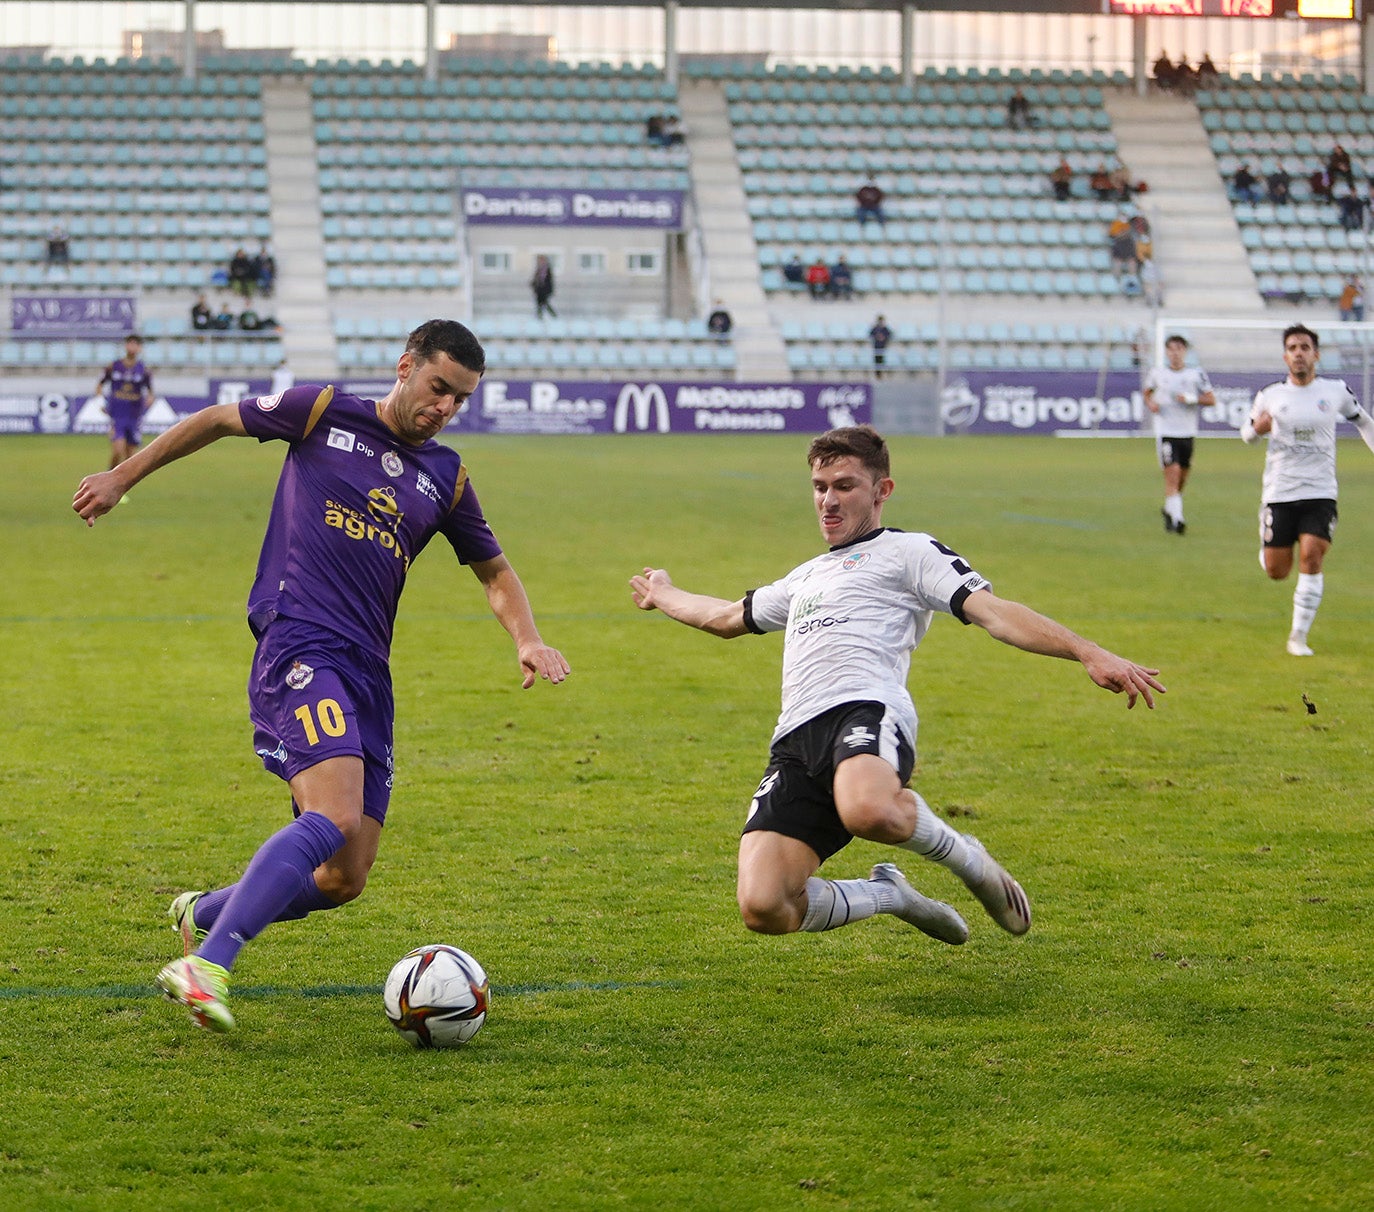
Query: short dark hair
{"points": [[863, 442], [1294, 330], [133, 336], [447, 337], [1175, 336]]}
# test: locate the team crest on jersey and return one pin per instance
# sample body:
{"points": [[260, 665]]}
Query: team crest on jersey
{"points": [[391, 463], [849, 563], [268, 403], [299, 676]]}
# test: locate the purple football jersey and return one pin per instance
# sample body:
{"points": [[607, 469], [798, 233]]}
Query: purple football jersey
{"points": [[124, 401], [354, 506]]}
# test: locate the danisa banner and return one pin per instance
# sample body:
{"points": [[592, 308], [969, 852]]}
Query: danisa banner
{"points": [[655, 208], [539, 406], [91, 316]]}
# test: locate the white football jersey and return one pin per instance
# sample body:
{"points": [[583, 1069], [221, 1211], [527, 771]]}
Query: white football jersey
{"points": [[1300, 464], [1175, 420], [853, 616]]}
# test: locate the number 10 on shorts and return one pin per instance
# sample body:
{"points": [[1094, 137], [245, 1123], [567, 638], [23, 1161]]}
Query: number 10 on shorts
{"points": [[326, 716]]}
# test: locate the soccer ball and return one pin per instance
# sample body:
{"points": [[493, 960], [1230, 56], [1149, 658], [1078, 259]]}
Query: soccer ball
{"points": [[437, 996]]}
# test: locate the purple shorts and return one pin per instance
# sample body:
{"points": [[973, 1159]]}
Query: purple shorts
{"points": [[125, 424], [313, 695]]}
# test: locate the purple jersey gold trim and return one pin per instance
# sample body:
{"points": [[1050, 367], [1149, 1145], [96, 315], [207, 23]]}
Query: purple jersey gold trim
{"points": [[354, 507]]}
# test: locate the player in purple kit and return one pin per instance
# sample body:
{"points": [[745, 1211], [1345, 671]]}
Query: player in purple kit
{"points": [[364, 487], [131, 391]]}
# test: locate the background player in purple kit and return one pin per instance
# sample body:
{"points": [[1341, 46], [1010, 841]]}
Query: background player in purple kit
{"points": [[364, 487], [130, 393]]}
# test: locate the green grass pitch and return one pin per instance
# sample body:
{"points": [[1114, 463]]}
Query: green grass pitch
{"points": [[1189, 1025]]}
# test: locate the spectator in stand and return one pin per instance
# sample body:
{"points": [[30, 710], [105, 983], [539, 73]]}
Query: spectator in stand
{"points": [[818, 279], [1185, 78], [1101, 184], [265, 269], [1061, 180], [1319, 184], [1166, 75], [1351, 302], [200, 314], [841, 279], [242, 276], [223, 319], [1245, 185], [719, 322], [1278, 185], [653, 129], [1338, 167], [542, 286], [59, 245], [1121, 244], [1206, 71], [1122, 186], [672, 130], [881, 336], [794, 271], [1144, 240], [1019, 115], [1150, 285], [1351, 207], [250, 320], [869, 203]]}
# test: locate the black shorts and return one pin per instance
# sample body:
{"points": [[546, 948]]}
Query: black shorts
{"points": [[796, 798], [1283, 521], [1176, 452]]}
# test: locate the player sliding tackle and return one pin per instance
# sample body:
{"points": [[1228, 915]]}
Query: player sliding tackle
{"points": [[845, 741]]}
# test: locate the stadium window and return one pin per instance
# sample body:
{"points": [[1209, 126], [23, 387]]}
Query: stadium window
{"points": [[495, 260], [591, 261], [642, 261], [555, 256]]}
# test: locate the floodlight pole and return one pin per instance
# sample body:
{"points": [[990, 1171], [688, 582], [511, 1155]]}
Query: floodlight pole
{"points": [[188, 42], [431, 36], [908, 44]]}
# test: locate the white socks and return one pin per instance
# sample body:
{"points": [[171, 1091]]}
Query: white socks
{"points": [[1307, 596], [936, 841], [831, 904], [1173, 506]]}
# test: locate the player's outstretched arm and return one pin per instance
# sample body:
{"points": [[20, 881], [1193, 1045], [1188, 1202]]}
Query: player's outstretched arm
{"points": [[509, 603], [653, 589], [98, 494], [1024, 628]]}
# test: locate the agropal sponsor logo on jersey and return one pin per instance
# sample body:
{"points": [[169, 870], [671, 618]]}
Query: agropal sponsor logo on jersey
{"points": [[381, 525]]}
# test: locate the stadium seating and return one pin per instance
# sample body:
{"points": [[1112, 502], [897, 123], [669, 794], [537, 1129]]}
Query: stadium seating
{"points": [[954, 175], [157, 180], [1297, 250]]}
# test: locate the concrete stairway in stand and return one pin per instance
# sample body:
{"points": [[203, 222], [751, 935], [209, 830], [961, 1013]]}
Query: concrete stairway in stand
{"points": [[732, 257], [1203, 265], [301, 301]]}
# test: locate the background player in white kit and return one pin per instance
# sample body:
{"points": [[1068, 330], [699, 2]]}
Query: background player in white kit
{"points": [[1174, 393], [844, 746], [1298, 496]]}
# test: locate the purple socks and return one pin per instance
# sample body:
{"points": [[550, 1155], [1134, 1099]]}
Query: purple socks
{"points": [[278, 885]]}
